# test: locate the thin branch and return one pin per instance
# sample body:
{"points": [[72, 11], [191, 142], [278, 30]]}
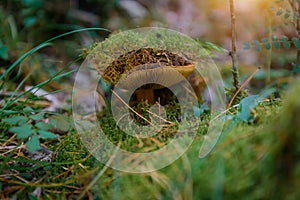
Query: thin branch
{"points": [[233, 52], [242, 86], [132, 109]]}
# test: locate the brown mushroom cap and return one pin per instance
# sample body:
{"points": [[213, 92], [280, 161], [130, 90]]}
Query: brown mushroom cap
{"points": [[154, 73], [147, 63]]}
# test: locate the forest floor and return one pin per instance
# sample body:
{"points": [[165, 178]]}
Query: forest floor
{"points": [[248, 157]]}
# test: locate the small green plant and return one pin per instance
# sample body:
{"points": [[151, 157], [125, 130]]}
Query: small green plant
{"points": [[31, 127], [244, 112], [289, 18], [29, 124], [288, 14], [250, 102]]}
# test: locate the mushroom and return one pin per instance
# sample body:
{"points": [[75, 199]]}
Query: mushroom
{"points": [[147, 64]]}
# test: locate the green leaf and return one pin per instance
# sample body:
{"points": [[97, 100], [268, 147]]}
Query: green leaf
{"points": [[33, 144], [287, 15], [37, 117], [266, 43], [4, 52], [53, 122], [279, 12], [43, 126], [28, 109], [22, 131], [256, 45], [47, 134], [296, 42], [286, 42], [213, 47], [198, 111], [250, 102], [245, 106], [296, 69], [16, 120], [276, 42], [9, 112], [296, 15], [30, 21], [247, 46], [104, 85], [32, 197], [33, 3]]}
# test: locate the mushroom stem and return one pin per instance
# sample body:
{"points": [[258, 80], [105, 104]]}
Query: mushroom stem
{"points": [[145, 95]]}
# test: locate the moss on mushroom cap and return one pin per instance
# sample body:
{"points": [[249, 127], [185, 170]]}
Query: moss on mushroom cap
{"points": [[143, 60]]}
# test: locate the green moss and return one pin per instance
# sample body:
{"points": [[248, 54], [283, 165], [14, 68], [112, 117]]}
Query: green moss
{"points": [[256, 161], [244, 165]]}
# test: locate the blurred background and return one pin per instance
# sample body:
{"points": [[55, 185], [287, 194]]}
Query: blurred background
{"points": [[27, 23], [254, 163], [35, 20]]}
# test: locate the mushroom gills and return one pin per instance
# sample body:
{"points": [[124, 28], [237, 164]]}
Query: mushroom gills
{"points": [[151, 77]]}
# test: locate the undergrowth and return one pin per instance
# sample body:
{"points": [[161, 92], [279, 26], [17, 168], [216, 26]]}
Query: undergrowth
{"points": [[257, 147], [71, 168]]}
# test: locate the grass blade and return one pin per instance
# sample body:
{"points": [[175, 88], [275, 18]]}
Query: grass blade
{"points": [[44, 44]]}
